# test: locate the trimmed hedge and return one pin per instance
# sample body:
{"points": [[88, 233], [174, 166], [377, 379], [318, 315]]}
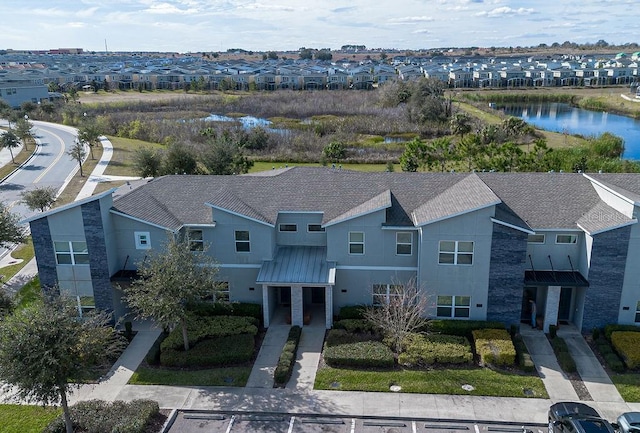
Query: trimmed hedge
{"points": [[522, 353], [627, 344], [370, 354], [227, 309], [423, 350], [562, 354], [288, 357], [354, 325], [215, 352], [494, 346], [612, 360], [610, 329], [335, 337], [463, 328], [97, 416], [201, 328], [351, 312]]}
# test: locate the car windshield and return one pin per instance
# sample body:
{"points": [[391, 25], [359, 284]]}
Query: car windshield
{"points": [[593, 426]]}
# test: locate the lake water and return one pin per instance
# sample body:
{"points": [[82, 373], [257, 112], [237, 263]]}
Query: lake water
{"points": [[571, 120]]}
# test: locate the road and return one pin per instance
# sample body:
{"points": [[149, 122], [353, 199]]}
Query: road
{"points": [[49, 166]]}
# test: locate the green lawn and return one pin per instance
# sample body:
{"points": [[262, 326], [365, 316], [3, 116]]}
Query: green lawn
{"points": [[24, 253], [25, 419], [441, 381], [28, 293], [230, 376], [628, 385], [121, 163]]}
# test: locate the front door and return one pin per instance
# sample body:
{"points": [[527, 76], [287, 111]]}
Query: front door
{"points": [[564, 307], [285, 295]]}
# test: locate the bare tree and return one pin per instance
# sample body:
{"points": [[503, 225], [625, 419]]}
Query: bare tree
{"points": [[78, 153], [401, 312]]}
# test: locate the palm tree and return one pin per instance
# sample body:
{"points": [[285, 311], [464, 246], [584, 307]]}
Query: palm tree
{"points": [[24, 130], [9, 140]]}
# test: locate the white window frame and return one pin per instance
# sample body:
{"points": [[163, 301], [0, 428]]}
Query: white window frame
{"points": [[573, 238], [384, 292], [318, 230], [456, 253], [404, 244], [242, 241], [637, 317], [143, 240], [288, 227], [196, 244], [544, 239], [356, 243], [456, 305], [73, 253]]}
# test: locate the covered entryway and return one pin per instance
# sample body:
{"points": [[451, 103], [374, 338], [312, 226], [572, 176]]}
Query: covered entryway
{"points": [[299, 278]]}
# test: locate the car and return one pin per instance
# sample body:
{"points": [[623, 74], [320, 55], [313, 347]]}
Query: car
{"points": [[629, 422], [571, 417]]}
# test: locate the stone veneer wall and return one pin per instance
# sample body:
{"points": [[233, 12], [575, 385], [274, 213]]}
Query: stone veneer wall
{"points": [[46, 257], [606, 277], [98, 260], [506, 274]]}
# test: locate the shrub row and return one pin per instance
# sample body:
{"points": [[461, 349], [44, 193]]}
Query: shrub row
{"points": [[361, 354], [627, 344], [463, 328], [97, 416], [214, 352], [354, 325], [200, 328], [522, 353], [351, 312], [226, 309], [562, 354], [610, 329], [423, 350], [610, 357], [288, 357], [494, 346], [336, 337]]}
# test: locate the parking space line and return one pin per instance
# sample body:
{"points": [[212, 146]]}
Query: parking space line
{"points": [[475, 426], [291, 421], [414, 427], [353, 425], [233, 418]]}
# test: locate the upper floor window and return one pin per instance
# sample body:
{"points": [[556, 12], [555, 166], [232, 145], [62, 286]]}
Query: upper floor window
{"points": [[404, 243], [196, 240], [143, 240], [315, 228], [382, 293], [356, 242], [71, 253], [455, 253], [637, 320], [288, 227], [243, 245], [536, 239], [566, 239], [453, 306]]}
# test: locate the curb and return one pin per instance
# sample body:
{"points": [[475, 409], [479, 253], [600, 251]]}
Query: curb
{"points": [[23, 164]]}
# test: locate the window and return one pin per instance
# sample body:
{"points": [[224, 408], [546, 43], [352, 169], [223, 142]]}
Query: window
{"points": [[356, 243], [315, 228], [566, 239], [196, 241], [535, 239], [143, 241], [404, 242], [637, 320], [453, 306], [382, 293], [71, 253], [242, 241], [455, 253], [288, 227]]}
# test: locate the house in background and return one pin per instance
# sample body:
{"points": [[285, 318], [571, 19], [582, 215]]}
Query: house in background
{"points": [[481, 245]]}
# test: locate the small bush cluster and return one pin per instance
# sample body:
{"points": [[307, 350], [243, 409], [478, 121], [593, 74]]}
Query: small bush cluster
{"points": [[565, 359], [200, 328], [336, 337], [153, 356], [423, 350], [463, 328], [215, 352], [97, 416], [368, 354], [610, 329], [494, 346], [524, 358], [351, 312], [627, 344], [287, 357], [354, 325], [227, 309], [611, 359]]}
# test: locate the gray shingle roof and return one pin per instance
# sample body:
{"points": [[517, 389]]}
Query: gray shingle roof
{"points": [[602, 217]]}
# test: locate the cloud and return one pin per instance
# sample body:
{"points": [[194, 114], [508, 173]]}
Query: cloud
{"points": [[77, 25], [166, 9], [505, 11], [409, 20], [268, 7], [421, 32], [344, 9]]}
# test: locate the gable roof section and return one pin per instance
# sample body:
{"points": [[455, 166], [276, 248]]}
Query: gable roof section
{"points": [[602, 218], [68, 206], [626, 185], [379, 202]]}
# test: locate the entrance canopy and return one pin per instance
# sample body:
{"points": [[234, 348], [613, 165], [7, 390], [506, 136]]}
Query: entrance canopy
{"points": [[298, 265], [555, 278]]}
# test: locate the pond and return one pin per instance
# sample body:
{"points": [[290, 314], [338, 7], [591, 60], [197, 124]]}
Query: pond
{"points": [[572, 120]]}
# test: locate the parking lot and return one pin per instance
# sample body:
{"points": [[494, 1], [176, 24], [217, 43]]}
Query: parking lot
{"points": [[197, 422]]}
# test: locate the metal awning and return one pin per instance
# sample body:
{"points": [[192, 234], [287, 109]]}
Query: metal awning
{"points": [[298, 265], [555, 278]]}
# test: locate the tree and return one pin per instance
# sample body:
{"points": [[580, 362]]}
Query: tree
{"points": [[78, 153], [11, 232], [44, 346], [306, 53], [39, 198], [334, 151], [400, 313], [179, 159], [468, 148], [170, 279], [9, 140], [460, 124], [224, 156], [414, 155], [24, 130], [147, 162], [442, 151], [89, 133], [324, 55], [427, 103]]}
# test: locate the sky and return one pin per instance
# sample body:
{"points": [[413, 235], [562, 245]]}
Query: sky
{"points": [[282, 25]]}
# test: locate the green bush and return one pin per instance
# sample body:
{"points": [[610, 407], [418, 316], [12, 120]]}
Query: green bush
{"points": [[494, 346], [354, 325], [562, 354], [153, 355], [200, 328], [553, 331], [610, 329], [97, 416], [287, 360], [463, 328], [595, 334], [627, 344], [522, 353], [336, 337], [423, 350], [369, 354], [614, 362], [226, 309], [215, 352], [352, 312]]}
